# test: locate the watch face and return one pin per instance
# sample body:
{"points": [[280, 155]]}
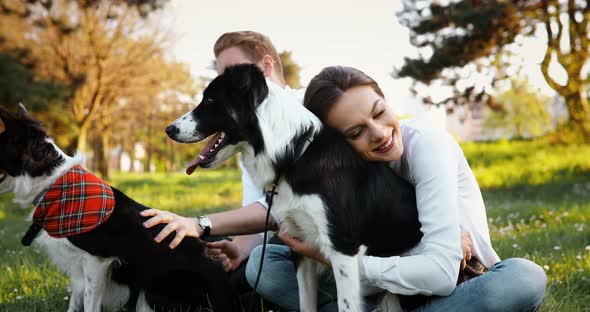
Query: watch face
{"points": [[205, 222]]}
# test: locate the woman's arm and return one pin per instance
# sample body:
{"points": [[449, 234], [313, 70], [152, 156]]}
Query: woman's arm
{"points": [[434, 267]]}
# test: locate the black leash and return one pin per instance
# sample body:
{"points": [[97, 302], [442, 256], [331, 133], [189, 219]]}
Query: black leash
{"points": [[270, 194], [269, 197]]}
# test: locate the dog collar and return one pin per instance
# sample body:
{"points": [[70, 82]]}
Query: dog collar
{"points": [[76, 203]]}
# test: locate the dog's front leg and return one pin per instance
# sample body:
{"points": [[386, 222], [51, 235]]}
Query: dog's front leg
{"points": [[96, 273], [307, 280], [346, 274], [76, 275]]}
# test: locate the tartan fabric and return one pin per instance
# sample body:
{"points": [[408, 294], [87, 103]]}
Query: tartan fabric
{"points": [[78, 202]]}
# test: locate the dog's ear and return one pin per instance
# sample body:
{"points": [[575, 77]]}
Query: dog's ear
{"points": [[40, 157], [249, 80], [21, 111], [242, 76]]}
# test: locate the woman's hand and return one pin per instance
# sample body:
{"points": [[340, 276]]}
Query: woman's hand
{"points": [[300, 247], [228, 253], [183, 226], [466, 245]]}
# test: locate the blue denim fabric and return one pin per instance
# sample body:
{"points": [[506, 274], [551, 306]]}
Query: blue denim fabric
{"points": [[511, 285], [514, 284]]}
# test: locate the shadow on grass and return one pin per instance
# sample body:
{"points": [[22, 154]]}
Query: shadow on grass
{"points": [[565, 185]]}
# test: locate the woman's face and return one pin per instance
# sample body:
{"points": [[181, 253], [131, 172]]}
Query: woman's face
{"points": [[368, 123]]}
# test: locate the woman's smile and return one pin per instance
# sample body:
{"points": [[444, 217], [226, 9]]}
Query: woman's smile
{"points": [[368, 123]]}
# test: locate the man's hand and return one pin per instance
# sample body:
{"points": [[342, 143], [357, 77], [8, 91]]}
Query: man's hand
{"points": [[183, 226], [228, 253], [466, 245], [300, 247]]}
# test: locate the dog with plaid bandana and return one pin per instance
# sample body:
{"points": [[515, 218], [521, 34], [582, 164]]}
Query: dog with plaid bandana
{"points": [[94, 233]]}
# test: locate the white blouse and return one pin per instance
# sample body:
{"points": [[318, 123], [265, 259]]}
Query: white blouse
{"points": [[448, 199]]}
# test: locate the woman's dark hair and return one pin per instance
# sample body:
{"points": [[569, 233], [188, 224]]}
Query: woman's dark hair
{"points": [[327, 87]]}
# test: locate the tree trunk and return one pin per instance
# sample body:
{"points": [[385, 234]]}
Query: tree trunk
{"points": [[148, 147], [132, 157], [81, 144], [171, 159], [579, 114], [102, 152]]}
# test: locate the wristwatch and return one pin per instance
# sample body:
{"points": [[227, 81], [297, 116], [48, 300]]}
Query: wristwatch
{"points": [[205, 223]]}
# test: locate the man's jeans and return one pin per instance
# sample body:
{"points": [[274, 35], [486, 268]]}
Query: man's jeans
{"points": [[511, 285]]}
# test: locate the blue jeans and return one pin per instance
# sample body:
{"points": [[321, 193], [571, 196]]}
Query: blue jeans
{"points": [[511, 285]]}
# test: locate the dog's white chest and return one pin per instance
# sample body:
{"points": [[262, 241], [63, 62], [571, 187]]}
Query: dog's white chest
{"points": [[302, 216]]}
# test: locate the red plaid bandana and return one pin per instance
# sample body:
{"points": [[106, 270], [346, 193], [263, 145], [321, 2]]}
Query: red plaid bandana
{"points": [[78, 202]]}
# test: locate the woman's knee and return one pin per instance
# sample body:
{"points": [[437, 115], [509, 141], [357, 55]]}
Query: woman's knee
{"points": [[525, 284]]}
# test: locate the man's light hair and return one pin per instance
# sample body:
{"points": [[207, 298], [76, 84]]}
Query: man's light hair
{"points": [[254, 45]]}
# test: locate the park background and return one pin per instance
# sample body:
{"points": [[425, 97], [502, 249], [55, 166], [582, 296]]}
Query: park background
{"points": [[509, 79]]}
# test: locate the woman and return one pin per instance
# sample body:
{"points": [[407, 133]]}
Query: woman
{"points": [[448, 200]]}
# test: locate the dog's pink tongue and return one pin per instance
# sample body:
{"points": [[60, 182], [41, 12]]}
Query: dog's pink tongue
{"points": [[202, 155], [193, 165]]}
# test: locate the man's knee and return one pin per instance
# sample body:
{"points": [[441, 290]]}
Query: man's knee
{"points": [[274, 256], [253, 265]]}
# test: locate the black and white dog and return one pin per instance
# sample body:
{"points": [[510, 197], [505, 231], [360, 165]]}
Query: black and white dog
{"points": [[118, 264], [327, 194]]}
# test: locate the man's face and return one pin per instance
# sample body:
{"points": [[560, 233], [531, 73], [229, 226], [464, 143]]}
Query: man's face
{"points": [[231, 56]]}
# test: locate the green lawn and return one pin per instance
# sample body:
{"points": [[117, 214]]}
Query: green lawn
{"points": [[538, 200]]}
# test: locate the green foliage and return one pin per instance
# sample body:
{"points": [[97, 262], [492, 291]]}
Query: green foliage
{"points": [[537, 195], [465, 39], [523, 111], [290, 70], [479, 27]]}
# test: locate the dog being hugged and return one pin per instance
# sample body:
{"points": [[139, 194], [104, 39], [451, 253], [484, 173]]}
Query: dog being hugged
{"points": [[327, 194], [94, 233]]}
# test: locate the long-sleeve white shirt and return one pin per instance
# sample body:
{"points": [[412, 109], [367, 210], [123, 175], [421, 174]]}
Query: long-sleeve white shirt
{"points": [[448, 199]]}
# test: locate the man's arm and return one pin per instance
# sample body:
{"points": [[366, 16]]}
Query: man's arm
{"points": [[246, 220]]}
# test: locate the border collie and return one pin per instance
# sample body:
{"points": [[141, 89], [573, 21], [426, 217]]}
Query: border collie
{"points": [[327, 194], [117, 264]]}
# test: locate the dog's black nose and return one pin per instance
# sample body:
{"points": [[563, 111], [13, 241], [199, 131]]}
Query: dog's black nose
{"points": [[172, 130]]}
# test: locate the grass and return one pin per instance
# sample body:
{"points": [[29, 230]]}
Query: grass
{"points": [[537, 195]]}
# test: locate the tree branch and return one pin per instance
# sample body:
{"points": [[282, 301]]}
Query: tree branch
{"points": [[561, 90]]}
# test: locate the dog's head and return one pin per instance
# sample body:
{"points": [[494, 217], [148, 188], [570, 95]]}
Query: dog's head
{"points": [[227, 113], [25, 148]]}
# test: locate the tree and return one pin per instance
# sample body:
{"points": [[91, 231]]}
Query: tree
{"points": [[475, 36], [290, 70], [108, 56], [523, 113]]}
